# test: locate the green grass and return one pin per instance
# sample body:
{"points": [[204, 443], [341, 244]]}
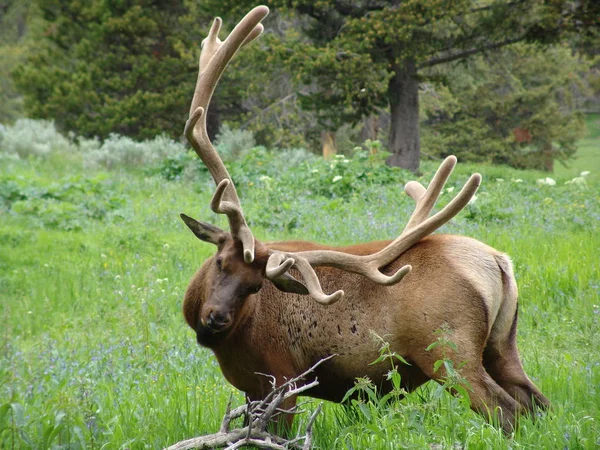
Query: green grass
{"points": [[588, 153], [94, 351]]}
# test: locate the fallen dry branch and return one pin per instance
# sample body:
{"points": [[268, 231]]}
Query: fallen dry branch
{"points": [[258, 415]]}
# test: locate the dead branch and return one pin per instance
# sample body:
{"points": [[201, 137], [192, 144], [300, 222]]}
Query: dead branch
{"points": [[259, 414]]}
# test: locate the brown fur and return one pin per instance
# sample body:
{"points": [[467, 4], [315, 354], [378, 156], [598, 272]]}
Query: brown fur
{"points": [[456, 283]]}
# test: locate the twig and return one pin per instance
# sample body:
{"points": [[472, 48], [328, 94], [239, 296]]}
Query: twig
{"points": [[259, 414]]}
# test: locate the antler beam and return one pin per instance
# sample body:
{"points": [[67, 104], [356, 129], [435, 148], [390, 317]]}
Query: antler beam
{"points": [[214, 57]]}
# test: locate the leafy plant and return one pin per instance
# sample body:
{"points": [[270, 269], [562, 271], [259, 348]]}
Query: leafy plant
{"points": [[66, 205], [452, 380]]}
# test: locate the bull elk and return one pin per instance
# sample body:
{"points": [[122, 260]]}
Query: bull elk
{"points": [[246, 306]]}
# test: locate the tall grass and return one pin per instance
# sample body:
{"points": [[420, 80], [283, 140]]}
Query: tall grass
{"points": [[93, 265]]}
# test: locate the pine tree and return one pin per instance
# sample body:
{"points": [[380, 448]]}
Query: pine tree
{"points": [[364, 54], [104, 67]]}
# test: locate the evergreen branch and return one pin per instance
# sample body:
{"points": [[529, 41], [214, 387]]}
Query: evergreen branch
{"points": [[473, 51]]}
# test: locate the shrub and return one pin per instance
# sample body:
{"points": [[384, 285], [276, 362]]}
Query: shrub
{"points": [[184, 165], [123, 152], [32, 138], [67, 205], [231, 143]]}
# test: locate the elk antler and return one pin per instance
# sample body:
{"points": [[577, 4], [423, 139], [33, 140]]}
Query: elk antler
{"points": [[419, 226], [214, 57]]}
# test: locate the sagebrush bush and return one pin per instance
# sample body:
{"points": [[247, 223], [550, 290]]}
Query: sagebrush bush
{"points": [[230, 143], [123, 152], [32, 138]]}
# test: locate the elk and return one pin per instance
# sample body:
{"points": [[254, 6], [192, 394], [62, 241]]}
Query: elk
{"points": [[248, 305]]}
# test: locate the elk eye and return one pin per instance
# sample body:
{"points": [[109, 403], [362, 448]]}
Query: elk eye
{"points": [[219, 263]]}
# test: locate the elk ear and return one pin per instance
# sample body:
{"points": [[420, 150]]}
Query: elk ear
{"points": [[288, 283], [204, 231]]}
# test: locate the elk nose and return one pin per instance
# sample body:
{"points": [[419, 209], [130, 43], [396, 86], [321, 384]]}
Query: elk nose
{"points": [[217, 320]]}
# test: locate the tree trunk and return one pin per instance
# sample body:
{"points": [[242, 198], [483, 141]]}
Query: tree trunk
{"points": [[548, 157], [328, 143], [403, 94]]}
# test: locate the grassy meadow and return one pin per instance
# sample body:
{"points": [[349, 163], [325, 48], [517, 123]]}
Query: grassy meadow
{"points": [[94, 261]]}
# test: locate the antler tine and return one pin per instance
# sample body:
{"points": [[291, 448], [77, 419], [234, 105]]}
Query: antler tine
{"points": [[312, 283], [279, 263], [214, 58], [426, 198], [237, 222], [418, 227]]}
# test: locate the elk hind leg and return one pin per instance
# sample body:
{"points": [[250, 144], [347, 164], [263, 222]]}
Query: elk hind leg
{"points": [[500, 356], [502, 362], [487, 397]]}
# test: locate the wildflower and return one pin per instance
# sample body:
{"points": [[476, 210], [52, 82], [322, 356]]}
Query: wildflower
{"points": [[117, 277], [579, 181], [450, 189], [166, 246], [315, 171], [500, 180], [265, 178], [585, 173], [517, 180], [546, 181], [336, 179], [473, 199], [103, 256]]}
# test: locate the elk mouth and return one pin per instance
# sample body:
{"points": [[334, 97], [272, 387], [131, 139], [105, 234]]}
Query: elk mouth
{"points": [[210, 335], [217, 321]]}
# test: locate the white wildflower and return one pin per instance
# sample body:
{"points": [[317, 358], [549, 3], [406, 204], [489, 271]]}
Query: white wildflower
{"points": [[517, 180], [579, 181], [500, 180], [546, 181], [585, 173], [336, 179], [450, 189], [473, 199], [166, 246]]}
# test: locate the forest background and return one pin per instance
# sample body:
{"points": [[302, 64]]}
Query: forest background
{"points": [[490, 81]]}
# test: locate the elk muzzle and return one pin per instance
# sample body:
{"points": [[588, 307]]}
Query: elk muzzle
{"points": [[216, 319]]}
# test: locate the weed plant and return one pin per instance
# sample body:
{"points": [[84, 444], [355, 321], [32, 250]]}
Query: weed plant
{"points": [[94, 351]]}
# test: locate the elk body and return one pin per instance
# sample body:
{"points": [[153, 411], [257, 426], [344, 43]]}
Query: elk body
{"points": [[248, 306]]}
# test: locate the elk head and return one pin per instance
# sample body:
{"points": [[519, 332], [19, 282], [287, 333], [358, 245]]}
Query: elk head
{"points": [[242, 263]]}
